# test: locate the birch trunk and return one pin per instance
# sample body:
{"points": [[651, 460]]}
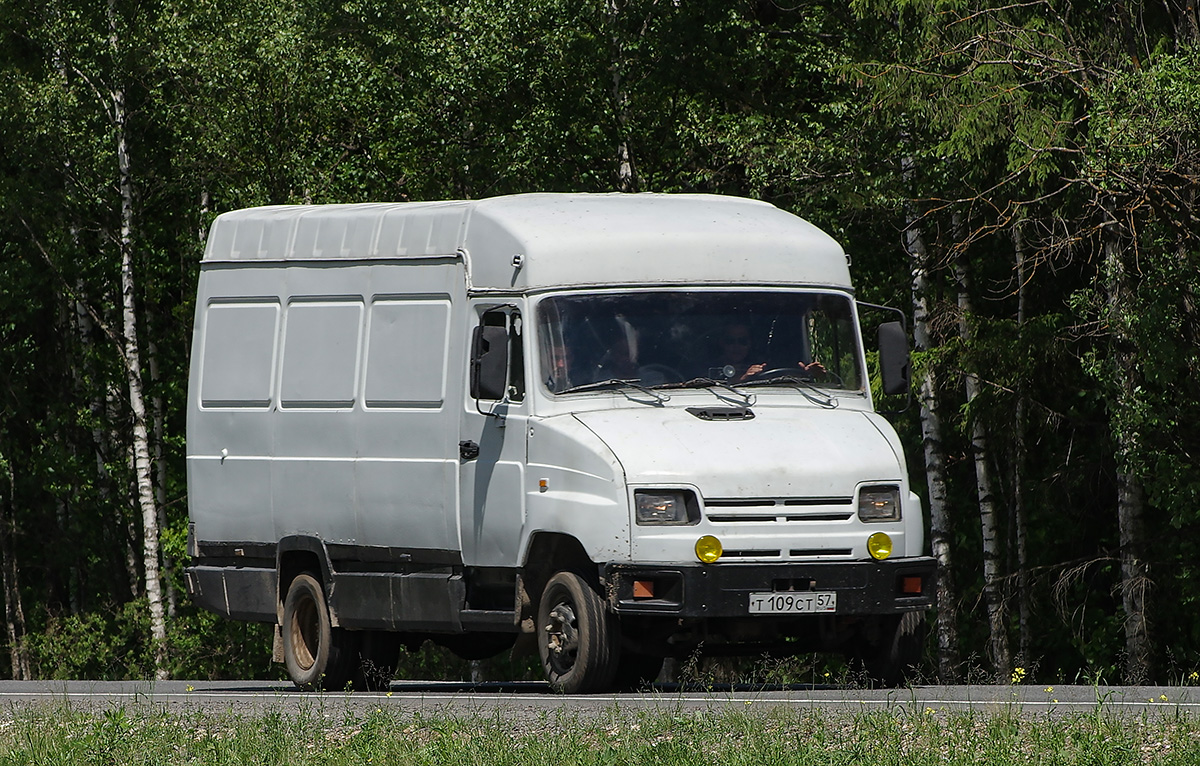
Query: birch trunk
{"points": [[133, 372], [14, 612], [940, 534], [160, 468], [1135, 571], [992, 577], [626, 178]]}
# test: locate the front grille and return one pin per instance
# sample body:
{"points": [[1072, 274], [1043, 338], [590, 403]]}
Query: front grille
{"points": [[775, 509], [772, 502], [793, 511], [736, 517]]}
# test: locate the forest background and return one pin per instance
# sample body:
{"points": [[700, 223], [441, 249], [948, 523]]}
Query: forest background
{"points": [[1020, 176]]}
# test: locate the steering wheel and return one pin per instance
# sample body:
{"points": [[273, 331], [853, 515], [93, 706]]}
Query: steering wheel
{"points": [[797, 372], [779, 371]]}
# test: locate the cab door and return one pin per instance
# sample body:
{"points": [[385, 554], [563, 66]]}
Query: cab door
{"points": [[492, 439]]}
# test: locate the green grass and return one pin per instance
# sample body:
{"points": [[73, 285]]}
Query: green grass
{"points": [[63, 735]]}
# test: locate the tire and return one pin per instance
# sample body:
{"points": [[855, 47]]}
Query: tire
{"points": [[578, 640], [892, 659], [318, 656]]}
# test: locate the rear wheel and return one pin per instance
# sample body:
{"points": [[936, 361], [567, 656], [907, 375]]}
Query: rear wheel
{"points": [[318, 656], [577, 637]]}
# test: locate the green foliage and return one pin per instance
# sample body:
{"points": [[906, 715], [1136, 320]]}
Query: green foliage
{"points": [[105, 645], [1061, 117], [205, 646], [431, 662]]}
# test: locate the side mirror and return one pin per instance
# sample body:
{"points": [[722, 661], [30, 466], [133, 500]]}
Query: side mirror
{"points": [[489, 362], [893, 358]]}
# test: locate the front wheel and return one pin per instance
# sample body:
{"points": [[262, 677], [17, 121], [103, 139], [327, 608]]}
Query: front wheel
{"points": [[318, 656], [578, 639]]}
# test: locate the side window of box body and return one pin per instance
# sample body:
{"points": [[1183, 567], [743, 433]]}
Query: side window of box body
{"points": [[319, 353], [238, 354], [406, 352], [321, 341]]}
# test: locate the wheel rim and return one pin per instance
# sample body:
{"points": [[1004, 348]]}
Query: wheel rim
{"points": [[562, 637], [306, 631]]}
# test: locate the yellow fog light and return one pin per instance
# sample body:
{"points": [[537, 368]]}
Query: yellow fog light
{"points": [[708, 549], [879, 545]]}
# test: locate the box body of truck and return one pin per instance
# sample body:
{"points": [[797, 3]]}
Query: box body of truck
{"points": [[627, 425]]}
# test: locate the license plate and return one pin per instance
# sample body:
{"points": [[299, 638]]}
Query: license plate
{"points": [[792, 603]]}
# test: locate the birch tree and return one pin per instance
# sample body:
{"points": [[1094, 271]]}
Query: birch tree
{"points": [[14, 610], [992, 574], [940, 529], [132, 356]]}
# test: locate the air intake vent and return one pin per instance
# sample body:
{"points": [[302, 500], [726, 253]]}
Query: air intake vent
{"points": [[750, 554], [722, 413], [731, 517], [812, 552], [770, 502]]}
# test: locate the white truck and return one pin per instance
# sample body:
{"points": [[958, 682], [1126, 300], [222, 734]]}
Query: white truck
{"points": [[626, 427]]}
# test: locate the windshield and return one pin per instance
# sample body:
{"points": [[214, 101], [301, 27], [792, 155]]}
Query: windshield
{"points": [[671, 338]]}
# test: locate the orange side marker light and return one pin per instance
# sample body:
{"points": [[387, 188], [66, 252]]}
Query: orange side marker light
{"points": [[643, 589]]}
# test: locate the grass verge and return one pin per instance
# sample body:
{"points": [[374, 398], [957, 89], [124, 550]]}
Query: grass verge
{"points": [[63, 735]]}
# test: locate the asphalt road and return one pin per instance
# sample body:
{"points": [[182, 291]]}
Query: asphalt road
{"points": [[533, 700]]}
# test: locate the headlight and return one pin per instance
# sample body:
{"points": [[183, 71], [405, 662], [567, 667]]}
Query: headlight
{"points": [[879, 503], [656, 508]]}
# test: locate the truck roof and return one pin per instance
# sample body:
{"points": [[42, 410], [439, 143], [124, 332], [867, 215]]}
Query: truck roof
{"points": [[563, 240]]}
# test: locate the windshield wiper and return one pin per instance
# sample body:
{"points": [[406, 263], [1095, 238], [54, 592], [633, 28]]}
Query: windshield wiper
{"points": [[712, 383], [804, 384], [600, 385]]}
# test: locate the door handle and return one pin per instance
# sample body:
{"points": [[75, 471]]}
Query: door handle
{"points": [[468, 450]]}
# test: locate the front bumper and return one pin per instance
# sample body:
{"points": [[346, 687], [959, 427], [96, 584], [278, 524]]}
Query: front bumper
{"points": [[723, 590]]}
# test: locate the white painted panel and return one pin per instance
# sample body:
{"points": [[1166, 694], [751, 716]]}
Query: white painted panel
{"points": [[235, 504], [491, 526], [407, 503], [314, 496]]}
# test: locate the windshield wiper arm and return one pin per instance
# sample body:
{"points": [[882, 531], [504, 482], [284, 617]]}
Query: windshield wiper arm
{"points": [[804, 384], [712, 383], [600, 385]]}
